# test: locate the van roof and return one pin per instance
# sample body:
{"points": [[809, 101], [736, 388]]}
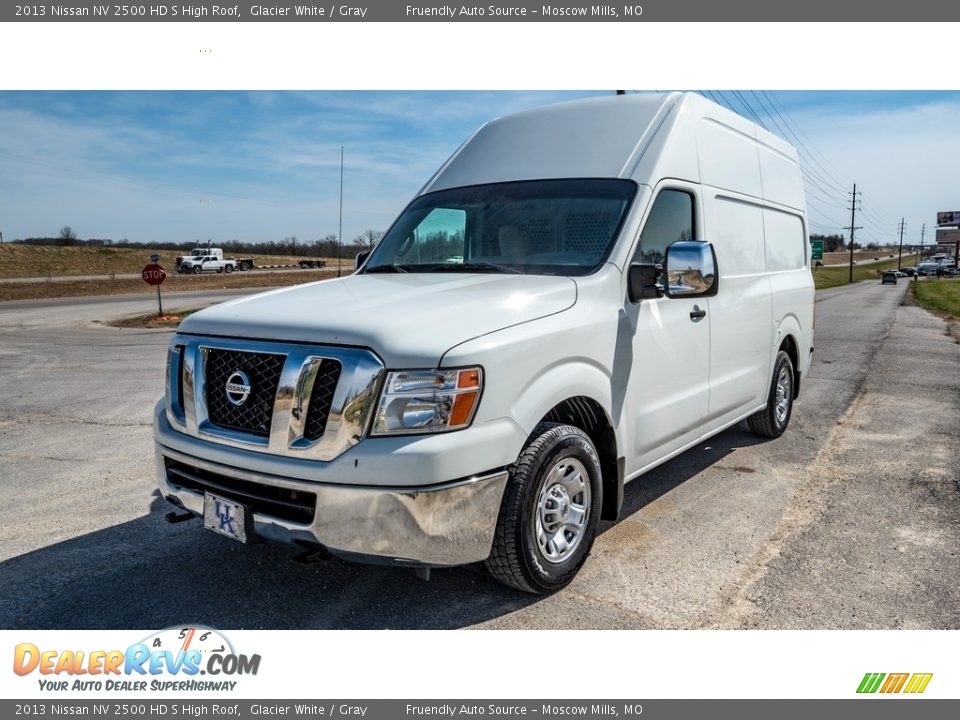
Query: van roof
{"points": [[642, 137]]}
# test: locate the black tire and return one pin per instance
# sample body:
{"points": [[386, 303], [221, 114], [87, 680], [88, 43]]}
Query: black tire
{"points": [[244, 266], [197, 270], [228, 268], [516, 558], [769, 422]]}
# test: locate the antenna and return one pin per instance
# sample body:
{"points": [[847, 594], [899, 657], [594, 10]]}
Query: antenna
{"points": [[340, 229]]}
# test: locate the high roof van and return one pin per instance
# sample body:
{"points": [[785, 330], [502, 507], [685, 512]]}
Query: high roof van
{"points": [[579, 293]]}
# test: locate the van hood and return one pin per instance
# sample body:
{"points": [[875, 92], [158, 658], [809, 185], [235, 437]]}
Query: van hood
{"points": [[408, 319]]}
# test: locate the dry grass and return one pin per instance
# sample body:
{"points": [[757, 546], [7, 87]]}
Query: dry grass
{"points": [[42, 261], [174, 283], [152, 320]]}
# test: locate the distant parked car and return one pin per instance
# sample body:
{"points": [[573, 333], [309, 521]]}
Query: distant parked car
{"points": [[909, 271], [889, 278]]}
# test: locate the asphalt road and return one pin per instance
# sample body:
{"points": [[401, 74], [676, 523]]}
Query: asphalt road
{"points": [[851, 520], [136, 276]]}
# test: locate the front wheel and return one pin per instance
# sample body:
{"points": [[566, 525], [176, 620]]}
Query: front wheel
{"points": [[550, 511], [197, 270], [772, 421]]}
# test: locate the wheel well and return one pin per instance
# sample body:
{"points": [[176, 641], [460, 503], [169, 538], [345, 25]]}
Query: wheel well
{"points": [[589, 416], [789, 345]]}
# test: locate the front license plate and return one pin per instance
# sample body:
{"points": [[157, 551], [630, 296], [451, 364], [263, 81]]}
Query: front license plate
{"points": [[225, 517]]}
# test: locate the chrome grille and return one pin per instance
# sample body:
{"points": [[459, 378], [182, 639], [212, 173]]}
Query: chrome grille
{"points": [[306, 401], [321, 397], [255, 413]]}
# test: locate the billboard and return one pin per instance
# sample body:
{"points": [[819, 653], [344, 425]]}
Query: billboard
{"points": [[948, 217], [947, 236]]}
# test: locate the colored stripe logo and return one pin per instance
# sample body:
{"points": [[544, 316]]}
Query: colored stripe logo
{"points": [[913, 683]]}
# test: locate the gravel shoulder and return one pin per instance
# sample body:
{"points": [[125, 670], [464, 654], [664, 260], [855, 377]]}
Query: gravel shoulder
{"points": [[876, 533]]}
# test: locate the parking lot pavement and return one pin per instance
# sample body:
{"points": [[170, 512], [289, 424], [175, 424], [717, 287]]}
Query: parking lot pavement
{"points": [[849, 520]]}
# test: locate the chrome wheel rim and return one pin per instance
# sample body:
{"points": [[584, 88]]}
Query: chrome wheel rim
{"points": [[783, 395], [563, 510]]}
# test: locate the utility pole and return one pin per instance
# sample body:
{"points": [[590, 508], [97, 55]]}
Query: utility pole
{"points": [[853, 225], [923, 231], [900, 256], [340, 230]]}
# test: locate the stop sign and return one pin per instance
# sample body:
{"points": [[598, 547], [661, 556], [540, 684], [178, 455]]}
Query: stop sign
{"points": [[153, 274]]}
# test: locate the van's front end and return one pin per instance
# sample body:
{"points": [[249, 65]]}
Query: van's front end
{"points": [[311, 444]]}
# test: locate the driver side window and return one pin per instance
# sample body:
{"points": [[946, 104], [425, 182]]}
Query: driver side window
{"points": [[670, 220], [438, 238]]}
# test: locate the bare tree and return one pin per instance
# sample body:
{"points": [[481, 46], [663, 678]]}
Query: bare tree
{"points": [[367, 239], [325, 246], [68, 235]]}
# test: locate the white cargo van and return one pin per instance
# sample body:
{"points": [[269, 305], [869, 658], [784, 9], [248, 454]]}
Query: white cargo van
{"points": [[580, 293]]}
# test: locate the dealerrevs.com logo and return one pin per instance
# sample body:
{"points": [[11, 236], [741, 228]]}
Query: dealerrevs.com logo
{"points": [[177, 659], [909, 683]]}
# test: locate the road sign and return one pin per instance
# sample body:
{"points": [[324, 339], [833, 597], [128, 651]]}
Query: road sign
{"points": [[817, 246], [153, 274]]}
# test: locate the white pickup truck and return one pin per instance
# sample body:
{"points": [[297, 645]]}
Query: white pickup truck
{"points": [[208, 263], [580, 293]]}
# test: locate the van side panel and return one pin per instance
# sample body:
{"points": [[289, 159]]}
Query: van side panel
{"points": [[785, 245], [741, 312], [728, 158], [787, 257], [782, 182]]}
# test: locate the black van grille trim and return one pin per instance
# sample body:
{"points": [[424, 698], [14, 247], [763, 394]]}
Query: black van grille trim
{"points": [[295, 506]]}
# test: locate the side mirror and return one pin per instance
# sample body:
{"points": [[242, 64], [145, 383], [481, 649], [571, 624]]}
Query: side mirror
{"points": [[643, 282], [691, 270], [360, 259]]}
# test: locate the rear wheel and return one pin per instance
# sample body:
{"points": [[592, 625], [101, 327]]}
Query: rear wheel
{"points": [[772, 421], [228, 268], [550, 511]]}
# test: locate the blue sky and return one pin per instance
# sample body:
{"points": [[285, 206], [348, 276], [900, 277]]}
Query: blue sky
{"points": [[181, 166]]}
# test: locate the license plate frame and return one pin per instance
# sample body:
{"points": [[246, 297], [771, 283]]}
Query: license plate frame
{"points": [[225, 517]]}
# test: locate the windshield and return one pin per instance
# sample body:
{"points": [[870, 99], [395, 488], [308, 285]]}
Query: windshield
{"points": [[547, 227]]}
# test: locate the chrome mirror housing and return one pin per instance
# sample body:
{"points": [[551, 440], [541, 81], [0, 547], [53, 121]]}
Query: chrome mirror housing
{"points": [[690, 270]]}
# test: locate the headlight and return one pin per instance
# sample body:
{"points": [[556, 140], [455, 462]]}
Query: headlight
{"points": [[427, 401]]}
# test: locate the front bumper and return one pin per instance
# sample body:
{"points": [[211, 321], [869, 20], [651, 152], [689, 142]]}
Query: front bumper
{"points": [[435, 525]]}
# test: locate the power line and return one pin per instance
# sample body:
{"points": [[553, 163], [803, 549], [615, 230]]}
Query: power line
{"points": [[853, 225], [813, 151]]}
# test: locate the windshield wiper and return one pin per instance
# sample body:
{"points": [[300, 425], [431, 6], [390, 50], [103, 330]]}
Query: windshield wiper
{"points": [[475, 266], [386, 269]]}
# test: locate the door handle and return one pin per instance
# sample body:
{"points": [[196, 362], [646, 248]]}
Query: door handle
{"points": [[697, 314]]}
